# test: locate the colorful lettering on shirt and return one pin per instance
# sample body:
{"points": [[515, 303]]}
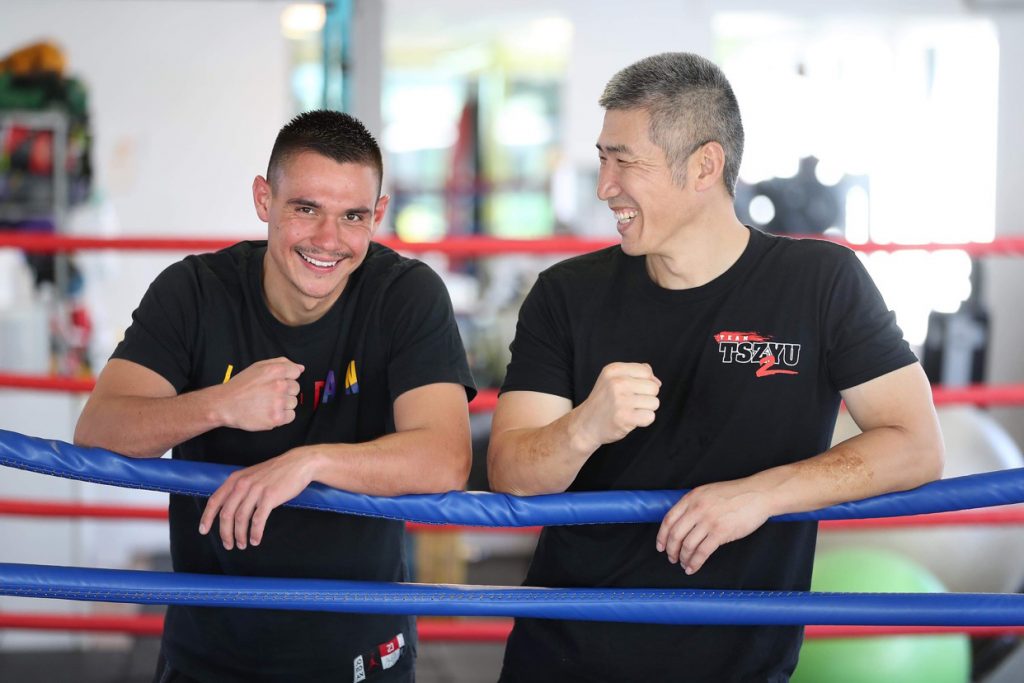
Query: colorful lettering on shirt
{"points": [[351, 381], [317, 386], [325, 390], [330, 387]]}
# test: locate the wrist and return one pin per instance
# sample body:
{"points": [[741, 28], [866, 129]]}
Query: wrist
{"points": [[581, 441], [771, 496], [312, 460], [214, 407]]}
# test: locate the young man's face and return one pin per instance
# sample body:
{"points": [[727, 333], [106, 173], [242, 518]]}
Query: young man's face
{"points": [[636, 182], [321, 216]]}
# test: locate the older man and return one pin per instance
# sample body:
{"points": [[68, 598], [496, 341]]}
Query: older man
{"points": [[700, 353]]}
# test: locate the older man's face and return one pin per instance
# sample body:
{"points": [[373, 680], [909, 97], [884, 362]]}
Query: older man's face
{"points": [[635, 180]]}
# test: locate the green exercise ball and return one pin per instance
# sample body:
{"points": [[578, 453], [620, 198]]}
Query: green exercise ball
{"points": [[907, 659]]}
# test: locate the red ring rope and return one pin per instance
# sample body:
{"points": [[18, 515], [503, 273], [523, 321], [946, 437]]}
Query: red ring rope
{"points": [[456, 246], [487, 399], [994, 516], [448, 630]]}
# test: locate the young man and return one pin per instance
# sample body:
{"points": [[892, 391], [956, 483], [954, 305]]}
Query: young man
{"points": [[698, 354], [314, 356]]}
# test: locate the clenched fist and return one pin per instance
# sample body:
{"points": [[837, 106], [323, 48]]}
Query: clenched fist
{"points": [[624, 397], [262, 396]]}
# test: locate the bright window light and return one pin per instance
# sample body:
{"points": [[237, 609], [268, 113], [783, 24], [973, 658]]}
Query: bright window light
{"points": [[301, 19], [896, 100]]}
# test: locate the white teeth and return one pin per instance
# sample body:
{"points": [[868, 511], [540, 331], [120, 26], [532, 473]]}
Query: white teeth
{"points": [[625, 216], [320, 264]]}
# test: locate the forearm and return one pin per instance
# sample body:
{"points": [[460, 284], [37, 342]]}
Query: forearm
{"points": [[878, 461], [882, 459], [534, 461], [146, 427], [412, 461]]}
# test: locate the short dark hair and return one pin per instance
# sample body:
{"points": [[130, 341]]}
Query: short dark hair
{"points": [[333, 134], [690, 103]]}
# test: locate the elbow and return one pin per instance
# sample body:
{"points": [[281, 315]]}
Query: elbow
{"points": [[497, 484], [497, 476], [459, 474], [929, 457], [454, 474], [495, 481], [936, 460], [83, 434]]}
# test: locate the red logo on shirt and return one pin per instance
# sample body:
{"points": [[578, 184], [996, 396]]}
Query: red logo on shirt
{"points": [[772, 358]]}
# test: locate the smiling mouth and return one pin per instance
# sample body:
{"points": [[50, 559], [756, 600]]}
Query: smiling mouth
{"points": [[623, 216], [317, 262]]}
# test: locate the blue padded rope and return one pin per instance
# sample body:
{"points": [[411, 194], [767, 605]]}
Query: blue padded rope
{"points": [[61, 459], [640, 605]]}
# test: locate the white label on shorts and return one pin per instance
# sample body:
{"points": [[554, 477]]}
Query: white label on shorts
{"points": [[358, 671]]}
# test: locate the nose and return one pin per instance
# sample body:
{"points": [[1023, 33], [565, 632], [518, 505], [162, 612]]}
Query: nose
{"points": [[607, 182], [327, 235]]}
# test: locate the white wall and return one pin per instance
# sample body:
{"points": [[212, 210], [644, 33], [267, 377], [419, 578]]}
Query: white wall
{"points": [[185, 99]]}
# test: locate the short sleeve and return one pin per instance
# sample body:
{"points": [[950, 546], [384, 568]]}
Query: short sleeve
{"points": [[163, 330], [425, 345], [863, 340], [542, 357]]}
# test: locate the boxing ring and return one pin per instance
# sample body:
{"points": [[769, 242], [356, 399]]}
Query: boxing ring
{"points": [[664, 606], [984, 499]]}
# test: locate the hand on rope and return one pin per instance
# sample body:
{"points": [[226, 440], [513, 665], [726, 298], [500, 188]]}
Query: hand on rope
{"points": [[706, 518], [243, 503]]}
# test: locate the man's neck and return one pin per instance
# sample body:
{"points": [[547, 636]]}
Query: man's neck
{"points": [[698, 254]]}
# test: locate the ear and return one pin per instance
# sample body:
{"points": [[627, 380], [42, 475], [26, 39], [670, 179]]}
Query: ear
{"points": [[261, 194], [378, 212], [709, 165]]}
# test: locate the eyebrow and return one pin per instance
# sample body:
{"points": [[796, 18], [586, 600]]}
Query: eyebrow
{"points": [[613, 149], [301, 201]]}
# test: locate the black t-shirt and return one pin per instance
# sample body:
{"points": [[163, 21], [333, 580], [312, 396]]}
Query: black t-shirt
{"points": [[726, 412], [392, 330]]}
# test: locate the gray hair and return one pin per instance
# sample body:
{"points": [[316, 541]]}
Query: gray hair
{"points": [[690, 103]]}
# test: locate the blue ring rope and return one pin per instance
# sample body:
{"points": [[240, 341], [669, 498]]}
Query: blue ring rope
{"points": [[61, 459], [638, 605]]}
